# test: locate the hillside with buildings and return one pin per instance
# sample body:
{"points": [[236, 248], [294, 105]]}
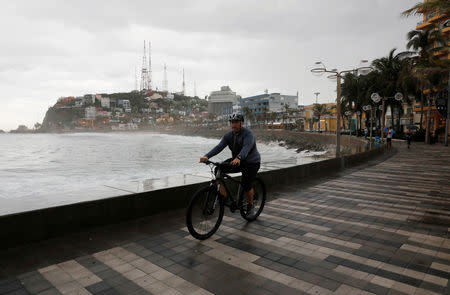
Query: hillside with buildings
{"points": [[122, 111]]}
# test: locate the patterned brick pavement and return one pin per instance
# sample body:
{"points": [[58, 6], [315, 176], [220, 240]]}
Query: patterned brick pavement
{"points": [[380, 228]]}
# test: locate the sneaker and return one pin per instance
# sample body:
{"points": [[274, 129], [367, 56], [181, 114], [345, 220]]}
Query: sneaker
{"points": [[250, 210]]}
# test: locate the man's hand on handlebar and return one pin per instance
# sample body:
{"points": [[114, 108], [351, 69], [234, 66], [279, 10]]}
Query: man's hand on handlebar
{"points": [[236, 161], [203, 159]]}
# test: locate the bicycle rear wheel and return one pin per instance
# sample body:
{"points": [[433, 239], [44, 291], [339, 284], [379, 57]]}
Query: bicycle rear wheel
{"points": [[204, 213], [259, 199]]}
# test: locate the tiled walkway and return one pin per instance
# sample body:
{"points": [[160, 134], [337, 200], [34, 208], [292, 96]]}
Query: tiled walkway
{"points": [[380, 228]]}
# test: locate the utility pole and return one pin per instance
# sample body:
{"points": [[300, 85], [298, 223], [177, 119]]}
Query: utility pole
{"points": [[338, 116]]}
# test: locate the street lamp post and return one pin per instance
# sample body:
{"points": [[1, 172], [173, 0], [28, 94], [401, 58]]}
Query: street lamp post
{"points": [[369, 108], [317, 95], [338, 75]]}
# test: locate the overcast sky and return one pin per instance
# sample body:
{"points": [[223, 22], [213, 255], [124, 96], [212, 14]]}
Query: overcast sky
{"points": [[59, 48]]}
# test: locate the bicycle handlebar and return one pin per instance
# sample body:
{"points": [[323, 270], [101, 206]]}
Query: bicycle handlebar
{"points": [[207, 162]]}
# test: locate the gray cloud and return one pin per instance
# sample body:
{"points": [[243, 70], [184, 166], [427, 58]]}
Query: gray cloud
{"points": [[54, 48]]}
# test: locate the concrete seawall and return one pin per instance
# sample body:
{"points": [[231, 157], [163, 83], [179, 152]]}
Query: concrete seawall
{"points": [[20, 228]]}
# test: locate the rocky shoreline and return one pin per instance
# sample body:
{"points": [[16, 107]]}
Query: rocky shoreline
{"points": [[300, 141]]}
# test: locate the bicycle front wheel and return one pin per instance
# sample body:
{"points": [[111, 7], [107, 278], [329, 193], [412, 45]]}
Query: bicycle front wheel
{"points": [[204, 213], [259, 199]]}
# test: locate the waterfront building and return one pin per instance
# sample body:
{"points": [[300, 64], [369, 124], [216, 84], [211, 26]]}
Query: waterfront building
{"points": [[90, 112], [273, 102], [328, 122], [125, 103], [105, 102], [438, 20], [218, 100], [231, 109]]}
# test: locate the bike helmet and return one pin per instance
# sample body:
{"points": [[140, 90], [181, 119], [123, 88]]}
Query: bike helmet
{"points": [[236, 117]]}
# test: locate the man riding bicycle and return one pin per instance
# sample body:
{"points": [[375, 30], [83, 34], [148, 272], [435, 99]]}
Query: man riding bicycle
{"points": [[245, 156]]}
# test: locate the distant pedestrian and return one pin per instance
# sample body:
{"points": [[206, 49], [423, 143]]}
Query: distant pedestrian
{"points": [[408, 137], [366, 132], [389, 134]]}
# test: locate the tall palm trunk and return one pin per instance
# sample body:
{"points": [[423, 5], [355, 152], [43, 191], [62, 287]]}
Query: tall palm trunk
{"points": [[399, 118], [421, 108], [427, 132]]}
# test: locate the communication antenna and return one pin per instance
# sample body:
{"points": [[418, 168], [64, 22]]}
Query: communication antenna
{"points": [[184, 85], [135, 78], [165, 83], [144, 71], [149, 65]]}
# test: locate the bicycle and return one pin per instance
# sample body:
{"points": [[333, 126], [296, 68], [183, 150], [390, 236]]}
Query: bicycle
{"points": [[206, 208]]}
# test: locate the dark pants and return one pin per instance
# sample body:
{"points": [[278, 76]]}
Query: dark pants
{"points": [[249, 171]]}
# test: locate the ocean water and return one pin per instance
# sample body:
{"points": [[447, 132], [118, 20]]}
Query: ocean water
{"points": [[44, 170]]}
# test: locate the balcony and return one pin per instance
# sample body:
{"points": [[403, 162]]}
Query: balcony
{"points": [[423, 25], [441, 53], [436, 16]]}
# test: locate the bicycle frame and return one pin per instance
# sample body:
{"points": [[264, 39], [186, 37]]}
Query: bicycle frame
{"points": [[219, 179]]}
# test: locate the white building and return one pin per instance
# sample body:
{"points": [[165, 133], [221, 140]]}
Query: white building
{"points": [[105, 102], [154, 96], [126, 105], [125, 127], [219, 100], [274, 102], [90, 113]]}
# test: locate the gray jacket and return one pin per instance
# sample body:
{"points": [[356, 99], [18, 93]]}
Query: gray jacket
{"points": [[242, 146]]}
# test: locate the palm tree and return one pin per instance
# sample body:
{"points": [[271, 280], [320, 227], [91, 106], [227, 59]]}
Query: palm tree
{"points": [[286, 112], [320, 110], [265, 111], [428, 7], [248, 114], [388, 71], [352, 94]]}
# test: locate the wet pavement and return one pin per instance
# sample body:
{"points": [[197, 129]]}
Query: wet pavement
{"points": [[378, 228]]}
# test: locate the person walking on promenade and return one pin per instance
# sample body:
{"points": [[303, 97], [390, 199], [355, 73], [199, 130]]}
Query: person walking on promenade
{"points": [[366, 132], [408, 137], [389, 134], [245, 156]]}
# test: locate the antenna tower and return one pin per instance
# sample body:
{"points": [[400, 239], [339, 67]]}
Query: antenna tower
{"points": [[149, 66], [184, 86], [195, 89], [165, 83], [144, 71], [135, 78]]}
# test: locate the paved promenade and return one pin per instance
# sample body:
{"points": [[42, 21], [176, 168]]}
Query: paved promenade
{"points": [[379, 228]]}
